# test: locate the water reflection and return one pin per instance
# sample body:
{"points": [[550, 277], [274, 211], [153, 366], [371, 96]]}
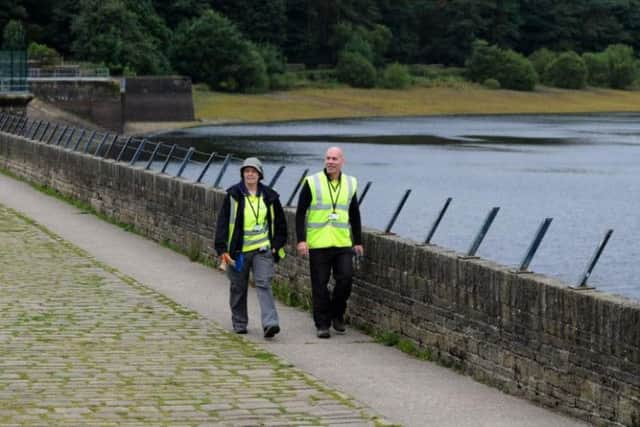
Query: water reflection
{"points": [[582, 170]]}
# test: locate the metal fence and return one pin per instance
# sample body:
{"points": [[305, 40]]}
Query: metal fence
{"points": [[173, 160], [13, 71], [67, 72]]}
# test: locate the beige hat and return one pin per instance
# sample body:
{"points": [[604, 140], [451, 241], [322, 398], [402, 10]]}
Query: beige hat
{"points": [[253, 162]]}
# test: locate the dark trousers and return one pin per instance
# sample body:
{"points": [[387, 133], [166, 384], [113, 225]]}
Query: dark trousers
{"points": [[330, 305]]}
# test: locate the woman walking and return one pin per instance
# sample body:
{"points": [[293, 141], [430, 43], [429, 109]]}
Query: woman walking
{"points": [[251, 232]]}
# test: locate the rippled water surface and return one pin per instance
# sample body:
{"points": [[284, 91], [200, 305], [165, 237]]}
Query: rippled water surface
{"points": [[581, 170]]}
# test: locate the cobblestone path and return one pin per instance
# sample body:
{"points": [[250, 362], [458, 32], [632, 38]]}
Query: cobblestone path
{"points": [[83, 345]]}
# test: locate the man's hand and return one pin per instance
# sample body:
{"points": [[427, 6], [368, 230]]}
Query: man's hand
{"points": [[359, 250], [303, 249]]}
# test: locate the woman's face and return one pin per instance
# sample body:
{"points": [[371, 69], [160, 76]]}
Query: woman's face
{"points": [[250, 175]]}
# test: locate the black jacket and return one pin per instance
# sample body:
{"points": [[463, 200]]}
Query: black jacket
{"points": [[278, 237]]}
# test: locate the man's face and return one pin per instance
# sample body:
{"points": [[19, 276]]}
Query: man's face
{"points": [[333, 161]]}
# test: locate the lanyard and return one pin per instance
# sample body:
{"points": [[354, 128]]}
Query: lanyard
{"points": [[337, 188], [256, 214]]}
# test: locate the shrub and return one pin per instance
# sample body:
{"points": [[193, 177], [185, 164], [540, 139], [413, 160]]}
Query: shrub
{"points": [[396, 76], [483, 62], [355, 70], [597, 68], [541, 58], [567, 71], [516, 72], [622, 66], [274, 60], [320, 75], [251, 72], [43, 54], [509, 68], [282, 81], [435, 71], [358, 44], [491, 84]]}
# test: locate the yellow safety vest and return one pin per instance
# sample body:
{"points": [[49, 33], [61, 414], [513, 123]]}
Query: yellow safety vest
{"points": [[328, 214], [252, 238]]}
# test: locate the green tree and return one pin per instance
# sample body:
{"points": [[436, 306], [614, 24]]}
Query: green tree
{"points": [[372, 44], [622, 66], [401, 20], [355, 70], [509, 68], [516, 72], [276, 67], [597, 68], [567, 71], [13, 37], [379, 38], [43, 54], [312, 25], [358, 44], [12, 10], [56, 28], [173, 12], [212, 50], [263, 21], [541, 58], [153, 26], [109, 32], [483, 62]]}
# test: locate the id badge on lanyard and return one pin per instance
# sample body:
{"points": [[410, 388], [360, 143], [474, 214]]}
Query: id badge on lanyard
{"points": [[333, 216]]}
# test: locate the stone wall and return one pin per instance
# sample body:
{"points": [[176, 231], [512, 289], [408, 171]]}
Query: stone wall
{"points": [[15, 103], [529, 335], [111, 104], [96, 101]]}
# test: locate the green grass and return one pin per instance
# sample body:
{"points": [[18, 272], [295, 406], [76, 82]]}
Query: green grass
{"points": [[393, 339], [443, 95]]}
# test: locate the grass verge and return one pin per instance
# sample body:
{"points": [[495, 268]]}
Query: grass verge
{"points": [[342, 102]]}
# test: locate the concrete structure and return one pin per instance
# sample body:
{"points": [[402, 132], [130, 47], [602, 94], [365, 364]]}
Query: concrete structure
{"points": [[111, 103], [531, 336], [15, 103]]}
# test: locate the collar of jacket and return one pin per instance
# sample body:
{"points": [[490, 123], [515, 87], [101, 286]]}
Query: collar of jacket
{"points": [[238, 190]]}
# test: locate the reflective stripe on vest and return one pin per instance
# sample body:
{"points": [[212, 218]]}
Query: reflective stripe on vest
{"points": [[255, 238], [232, 224], [322, 230], [252, 239]]}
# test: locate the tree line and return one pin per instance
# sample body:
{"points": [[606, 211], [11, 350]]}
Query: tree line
{"points": [[244, 44]]}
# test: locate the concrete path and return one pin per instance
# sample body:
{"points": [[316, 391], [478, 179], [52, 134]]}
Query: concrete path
{"points": [[371, 378]]}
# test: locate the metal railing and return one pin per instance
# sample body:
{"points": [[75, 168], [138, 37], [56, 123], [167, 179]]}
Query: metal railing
{"points": [[67, 72], [173, 160]]}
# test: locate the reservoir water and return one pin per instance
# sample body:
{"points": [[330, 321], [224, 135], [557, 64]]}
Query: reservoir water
{"points": [[581, 170]]}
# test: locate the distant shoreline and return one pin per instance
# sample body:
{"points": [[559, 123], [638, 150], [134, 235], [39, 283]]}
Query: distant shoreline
{"points": [[216, 108], [341, 103]]}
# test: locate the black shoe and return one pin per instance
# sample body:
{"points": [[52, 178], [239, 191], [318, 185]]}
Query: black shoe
{"points": [[271, 331], [338, 325], [323, 333], [242, 331]]}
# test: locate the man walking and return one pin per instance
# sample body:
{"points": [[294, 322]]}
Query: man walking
{"points": [[329, 232]]}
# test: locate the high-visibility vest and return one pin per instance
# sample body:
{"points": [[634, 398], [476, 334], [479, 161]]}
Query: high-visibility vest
{"points": [[327, 227], [253, 239]]}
